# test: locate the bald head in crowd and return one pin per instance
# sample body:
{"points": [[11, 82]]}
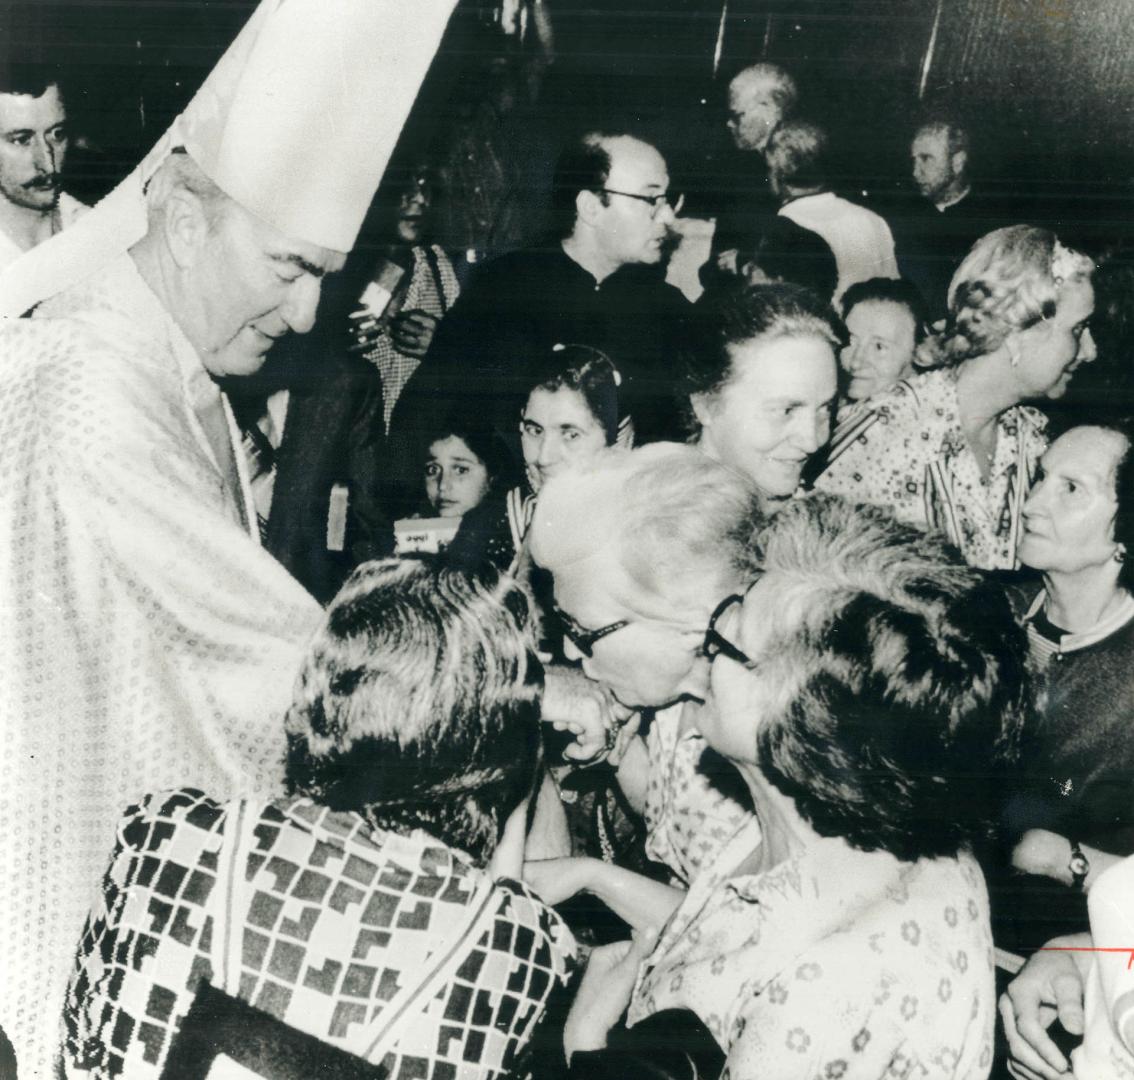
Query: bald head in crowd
{"points": [[759, 98]]}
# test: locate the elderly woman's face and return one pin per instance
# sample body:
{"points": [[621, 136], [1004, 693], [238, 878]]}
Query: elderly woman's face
{"points": [[1052, 350], [881, 347], [774, 411], [647, 663], [738, 696], [1069, 515]]}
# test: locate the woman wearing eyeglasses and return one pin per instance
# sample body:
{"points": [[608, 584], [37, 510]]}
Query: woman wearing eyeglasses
{"points": [[652, 542], [868, 689]]}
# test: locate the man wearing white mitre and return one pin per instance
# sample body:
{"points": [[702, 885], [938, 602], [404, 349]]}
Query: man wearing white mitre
{"points": [[147, 641]]}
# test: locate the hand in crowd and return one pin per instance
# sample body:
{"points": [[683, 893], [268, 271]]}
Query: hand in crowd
{"points": [[728, 261], [1049, 986], [641, 902], [1045, 853], [572, 702], [412, 332], [605, 992]]}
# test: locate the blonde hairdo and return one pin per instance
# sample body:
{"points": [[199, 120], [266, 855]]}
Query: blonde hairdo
{"points": [[1006, 283]]}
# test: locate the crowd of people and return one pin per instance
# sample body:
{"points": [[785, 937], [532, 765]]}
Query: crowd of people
{"points": [[518, 656]]}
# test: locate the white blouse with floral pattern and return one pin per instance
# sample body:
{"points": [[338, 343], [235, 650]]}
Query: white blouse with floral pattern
{"points": [[837, 964], [915, 461], [695, 800]]}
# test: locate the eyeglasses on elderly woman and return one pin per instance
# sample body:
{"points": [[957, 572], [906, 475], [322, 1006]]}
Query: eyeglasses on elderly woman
{"points": [[714, 645]]}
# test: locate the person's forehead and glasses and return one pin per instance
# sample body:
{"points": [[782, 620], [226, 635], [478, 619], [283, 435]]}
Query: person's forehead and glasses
{"points": [[672, 199]]}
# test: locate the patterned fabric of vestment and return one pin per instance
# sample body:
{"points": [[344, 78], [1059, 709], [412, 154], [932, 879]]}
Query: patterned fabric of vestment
{"points": [[147, 641]]}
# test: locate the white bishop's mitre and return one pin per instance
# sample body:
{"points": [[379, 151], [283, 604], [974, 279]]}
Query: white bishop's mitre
{"points": [[296, 122]]}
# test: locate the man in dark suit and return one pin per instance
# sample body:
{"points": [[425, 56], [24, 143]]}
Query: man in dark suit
{"points": [[313, 437], [937, 230], [600, 283]]}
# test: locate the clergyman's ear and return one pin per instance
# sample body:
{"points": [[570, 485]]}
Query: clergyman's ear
{"points": [[587, 205], [185, 226]]}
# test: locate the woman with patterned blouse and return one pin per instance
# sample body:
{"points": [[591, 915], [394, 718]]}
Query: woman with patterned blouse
{"points": [[373, 906], [869, 688], [954, 450]]}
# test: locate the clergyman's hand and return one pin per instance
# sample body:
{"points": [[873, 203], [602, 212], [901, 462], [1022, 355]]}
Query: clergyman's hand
{"points": [[574, 703]]}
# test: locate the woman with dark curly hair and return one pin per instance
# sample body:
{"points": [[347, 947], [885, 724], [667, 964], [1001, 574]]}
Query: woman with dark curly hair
{"points": [[372, 905], [954, 450], [870, 690]]}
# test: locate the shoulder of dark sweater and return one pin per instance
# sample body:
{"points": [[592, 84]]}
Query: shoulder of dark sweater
{"points": [[548, 262]]}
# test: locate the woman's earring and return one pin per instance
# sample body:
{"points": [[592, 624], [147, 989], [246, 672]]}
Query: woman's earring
{"points": [[1120, 554]]}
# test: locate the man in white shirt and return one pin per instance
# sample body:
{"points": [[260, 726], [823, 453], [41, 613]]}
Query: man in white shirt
{"points": [[861, 240], [33, 146]]}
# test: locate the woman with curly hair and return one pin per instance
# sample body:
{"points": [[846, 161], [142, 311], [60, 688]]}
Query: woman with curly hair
{"points": [[869, 690], [370, 910], [955, 449]]}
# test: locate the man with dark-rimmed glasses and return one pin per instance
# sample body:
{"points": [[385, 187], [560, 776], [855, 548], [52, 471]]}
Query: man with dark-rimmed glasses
{"points": [[599, 282]]}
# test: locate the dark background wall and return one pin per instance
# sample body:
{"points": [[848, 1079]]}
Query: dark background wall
{"points": [[1048, 83]]}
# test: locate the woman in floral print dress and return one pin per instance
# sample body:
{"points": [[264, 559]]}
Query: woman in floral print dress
{"points": [[954, 449]]}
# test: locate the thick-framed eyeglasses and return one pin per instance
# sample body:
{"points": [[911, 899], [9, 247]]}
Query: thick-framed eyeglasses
{"points": [[582, 638], [674, 201], [716, 644]]}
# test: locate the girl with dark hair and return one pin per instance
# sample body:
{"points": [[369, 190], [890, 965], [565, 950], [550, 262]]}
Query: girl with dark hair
{"points": [[463, 466], [570, 414], [373, 907]]}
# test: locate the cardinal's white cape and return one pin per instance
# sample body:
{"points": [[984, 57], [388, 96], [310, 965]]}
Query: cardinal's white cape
{"points": [[147, 641]]}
